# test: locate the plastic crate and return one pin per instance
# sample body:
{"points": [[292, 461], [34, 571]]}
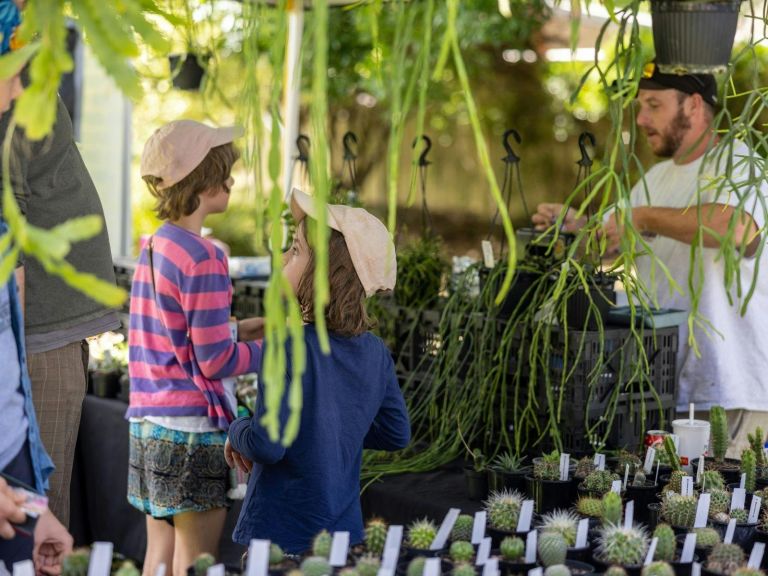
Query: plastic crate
{"points": [[416, 340], [248, 298], [124, 269]]}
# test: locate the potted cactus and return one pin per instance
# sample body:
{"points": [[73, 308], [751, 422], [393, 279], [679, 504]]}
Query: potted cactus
{"points": [[584, 467], [419, 538], [545, 487], [375, 536], [565, 523], [756, 443], [461, 552], [316, 566], [508, 470], [658, 568], [622, 546], [598, 483], [667, 550], [278, 562], [642, 491], [724, 559], [462, 528], [745, 532], [512, 556], [502, 512], [679, 511], [728, 467]]}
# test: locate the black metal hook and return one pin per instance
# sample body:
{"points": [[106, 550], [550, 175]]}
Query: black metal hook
{"points": [[511, 157], [348, 153], [585, 160], [423, 156], [303, 144]]}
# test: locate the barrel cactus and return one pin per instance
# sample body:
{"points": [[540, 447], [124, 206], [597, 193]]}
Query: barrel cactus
{"points": [[76, 563], [680, 510], [725, 558], [416, 566], [127, 568], [375, 536], [202, 563], [321, 544], [276, 554], [612, 509], [557, 570], [615, 571], [591, 507], [719, 501], [316, 566], [712, 480], [512, 548], [552, 548], [368, 565], [564, 522], [462, 528], [706, 537], [503, 509], [658, 569], [547, 467], [623, 546], [666, 545], [464, 569], [748, 572], [675, 483], [462, 551], [584, 467], [599, 482], [421, 533]]}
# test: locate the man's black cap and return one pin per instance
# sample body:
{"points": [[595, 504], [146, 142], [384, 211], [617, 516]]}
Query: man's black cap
{"points": [[704, 84]]}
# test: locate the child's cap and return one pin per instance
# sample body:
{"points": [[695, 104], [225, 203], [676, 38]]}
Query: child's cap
{"points": [[176, 149], [368, 241]]}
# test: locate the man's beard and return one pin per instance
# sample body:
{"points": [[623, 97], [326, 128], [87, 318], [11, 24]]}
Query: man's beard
{"points": [[672, 137]]}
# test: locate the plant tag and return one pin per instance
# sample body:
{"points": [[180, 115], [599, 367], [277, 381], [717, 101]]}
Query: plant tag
{"points": [[743, 481], [702, 511], [483, 552], [629, 513], [339, 549], [599, 461], [754, 510], [488, 258], [161, 569], [216, 570], [626, 477], [695, 569], [700, 470], [738, 498], [582, 532], [564, 466], [536, 572], [392, 547], [530, 547], [432, 567], [650, 456], [385, 572], [756, 557], [728, 538], [258, 558], [491, 567], [25, 568], [616, 486], [686, 486], [676, 442], [651, 552], [100, 562], [478, 528], [658, 466], [526, 515], [686, 556], [445, 529]]}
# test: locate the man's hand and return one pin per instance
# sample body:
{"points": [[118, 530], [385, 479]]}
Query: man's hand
{"points": [[10, 510], [234, 458], [250, 329], [547, 215], [52, 544]]}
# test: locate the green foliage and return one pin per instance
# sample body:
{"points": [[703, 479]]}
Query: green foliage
{"points": [[416, 566], [548, 466], [316, 566], [623, 546], [563, 522], [512, 548], [276, 555], [421, 533], [127, 568], [666, 545], [509, 462], [368, 565], [461, 551], [503, 509], [552, 548], [712, 480], [756, 443], [725, 558], [321, 544], [462, 528], [588, 506], [749, 467], [679, 510], [420, 270], [375, 535], [719, 430], [706, 537], [202, 563], [612, 509], [599, 482], [658, 569], [557, 570]]}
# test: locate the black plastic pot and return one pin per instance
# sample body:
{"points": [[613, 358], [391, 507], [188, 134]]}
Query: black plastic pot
{"points": [[549, 495], [407, 553], [105, 384], [583, 554], [747, 496], [744, 535], [731, 474], [477, 484], [642, 496], [653, 515], [500, 480], [190, 73], [630, 570], [519, 297], [497, 535], [694, 37], [578, 567], [515, 568], [580, 314]]}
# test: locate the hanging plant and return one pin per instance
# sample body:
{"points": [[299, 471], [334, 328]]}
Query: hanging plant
{"points": [[420, 270]]}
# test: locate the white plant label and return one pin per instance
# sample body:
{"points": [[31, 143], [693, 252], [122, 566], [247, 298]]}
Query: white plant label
{"points": [[743, 481], [488, 258], [432, 567], [483, 552], [700, 470], [629, 513], [616, 486], [491, 567], [478, 528], [626, 477], [564, 466], [216, 570], [738, 498], [695, 569], [161, 569], [258, 558], [339, 549], [686, 556], [445, 529], [101, 559], [536, 572], [728, 538], [530, 547], [599, 461], [658, 467], [686, 486], [651, 552], [756, 557], [385, 572], [650, 456], [702, 511], [754, 510], [526, 515], [582, 532], [392, 547], [24, 568]]}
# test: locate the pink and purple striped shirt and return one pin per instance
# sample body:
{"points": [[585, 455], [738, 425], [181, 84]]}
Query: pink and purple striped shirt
{"points": [[180, 346]]}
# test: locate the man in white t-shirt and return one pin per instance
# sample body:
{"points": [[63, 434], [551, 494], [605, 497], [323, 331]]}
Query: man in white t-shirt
{"points": [[676, 114]]}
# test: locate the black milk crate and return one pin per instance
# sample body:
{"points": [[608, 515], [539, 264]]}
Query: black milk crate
{"points": [[416, 340], [248, 298], [124, 269]]}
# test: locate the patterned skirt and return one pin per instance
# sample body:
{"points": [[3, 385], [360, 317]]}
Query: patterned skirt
{"points": [[171, 472]]}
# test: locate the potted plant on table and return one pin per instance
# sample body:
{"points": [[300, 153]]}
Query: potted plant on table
{"points": [[108, 362], [508, 470], [728, 467], [545, 487]]}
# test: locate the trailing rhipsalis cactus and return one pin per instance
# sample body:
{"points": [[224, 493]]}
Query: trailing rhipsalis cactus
{"points": [[464, 569], [588, 506], [462, 528], [719, 430], [564, 522], [375, 536], [666, 547], [658, 569], [557, 570], [416, 566], [712, 480], [552, 548], [719, 502], [547, 467], [421, 533], [612, 509], [76, 564], [725, 558], [639, 479], [679, 510], [316, 566], [749, 467], [599, 482], [503, 508], [512, 548], [202, 563], [368, 565], [671, 452], [584, 467], [706, 537], [276, 554], [461, 551], [321, 544], [623, 546]]}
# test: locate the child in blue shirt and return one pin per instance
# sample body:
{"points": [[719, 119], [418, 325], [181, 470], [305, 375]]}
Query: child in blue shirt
{"points": [[351, 396]]}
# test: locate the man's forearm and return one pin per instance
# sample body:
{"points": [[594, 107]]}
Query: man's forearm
{"points": [[19, 272]]}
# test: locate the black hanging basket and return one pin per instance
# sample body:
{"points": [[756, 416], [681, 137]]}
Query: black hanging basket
{"points": [[190, 73], [694, 37]]}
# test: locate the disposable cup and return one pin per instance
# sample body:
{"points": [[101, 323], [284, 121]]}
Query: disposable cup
{"points": [[694, 439]]}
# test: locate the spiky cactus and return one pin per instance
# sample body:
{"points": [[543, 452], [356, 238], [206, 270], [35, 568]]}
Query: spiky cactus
{"points": [[421, 533], [375, 535], [547, 467], [348, 571], [623, 458], [462, 528], [584, 467], [666, 545], [740, 515], [712, 480], [202, 563], [725, 558], [615, 571], [461, 551], [671, 452], [748, 572], [557, 570], [756, 442], [503, 508], [368, 565], [276, 554], [612, 509], [719, 502], [316, 566], [564, 522], [620, 545], [416, 566], [76, 563], [321, 544], [764, 521], [552, 548], [706, 537], [127, 568], [721, 518], [749, 467], [512, 548], [675, 483], [718, 422], [639, 479], [658, 569], [599, 481], [464, 569], [591, 507], [679, 510]]}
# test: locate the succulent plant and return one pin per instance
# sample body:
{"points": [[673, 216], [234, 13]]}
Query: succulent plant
{"points": [[591, 507], [623, 546], [503, 508], [756, 442], [564, 522], [368, 565], [675, 483], [624, 458], [464, 569], [725, 558], [348, 571], [671, 453], [712, 480], [584, 467], [547, 467], [462, 551], [276, 554], [375, 535], [719, 429], [615, 571], [658, 569], [748, 572], [679, 510], [706, 537], [508, 462], [666, 545], [552, 548], [721, 517], [740, 514], [612, 509], [76, 564], [416, 566], [557, 570], [639, 479], [202, 563], [421, 533], [321, 544], [764, 521], [749, 467], [462, 528], [316, 566], [719, 501], [127, 568], [512, 548], [599, 481]]}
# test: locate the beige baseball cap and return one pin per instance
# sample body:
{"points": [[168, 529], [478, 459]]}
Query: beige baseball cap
{"points": [[368, 240], [177, 148]]}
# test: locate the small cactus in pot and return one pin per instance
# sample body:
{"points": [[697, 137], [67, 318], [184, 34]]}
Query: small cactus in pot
{"points": [[368, 565], [706, 537], [679, 510], [622, 546], [712, 480], [749, 468], [584, 467], [316, 566], [658, 569], [276, 554], [666, 545], [748, 572], [590, 507], [639, 480], [512, 549], [202, 563], [557, 570], [464, 569], [503, 509], [547, 467], [462, 528], [461, 551], [552, 548], [725, 558], [321, 544], [376, 535], [563, 522], [719, 502], [421, 533], [612, 508], [599, 482], [416, 566]]}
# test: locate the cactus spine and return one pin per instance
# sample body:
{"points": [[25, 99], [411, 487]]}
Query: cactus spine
{"points": [[719, 502], [588, 506], [564, 522], [612, 509], [421, 533], [599, 482], [725, 558], [512, 548], [584, 467], [712, 480], [462, 528], [679, 510], [376, 535], [666, 545], [719, 423], [623, 546], [749, 467], [706, 537], [552, 548], [548, 467]]}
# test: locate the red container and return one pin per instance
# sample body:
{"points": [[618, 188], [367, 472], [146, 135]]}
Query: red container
{"points": [[655, 438]]}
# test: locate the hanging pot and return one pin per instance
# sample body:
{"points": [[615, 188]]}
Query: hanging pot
{"points": [[694, 37], [188, 73]]}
